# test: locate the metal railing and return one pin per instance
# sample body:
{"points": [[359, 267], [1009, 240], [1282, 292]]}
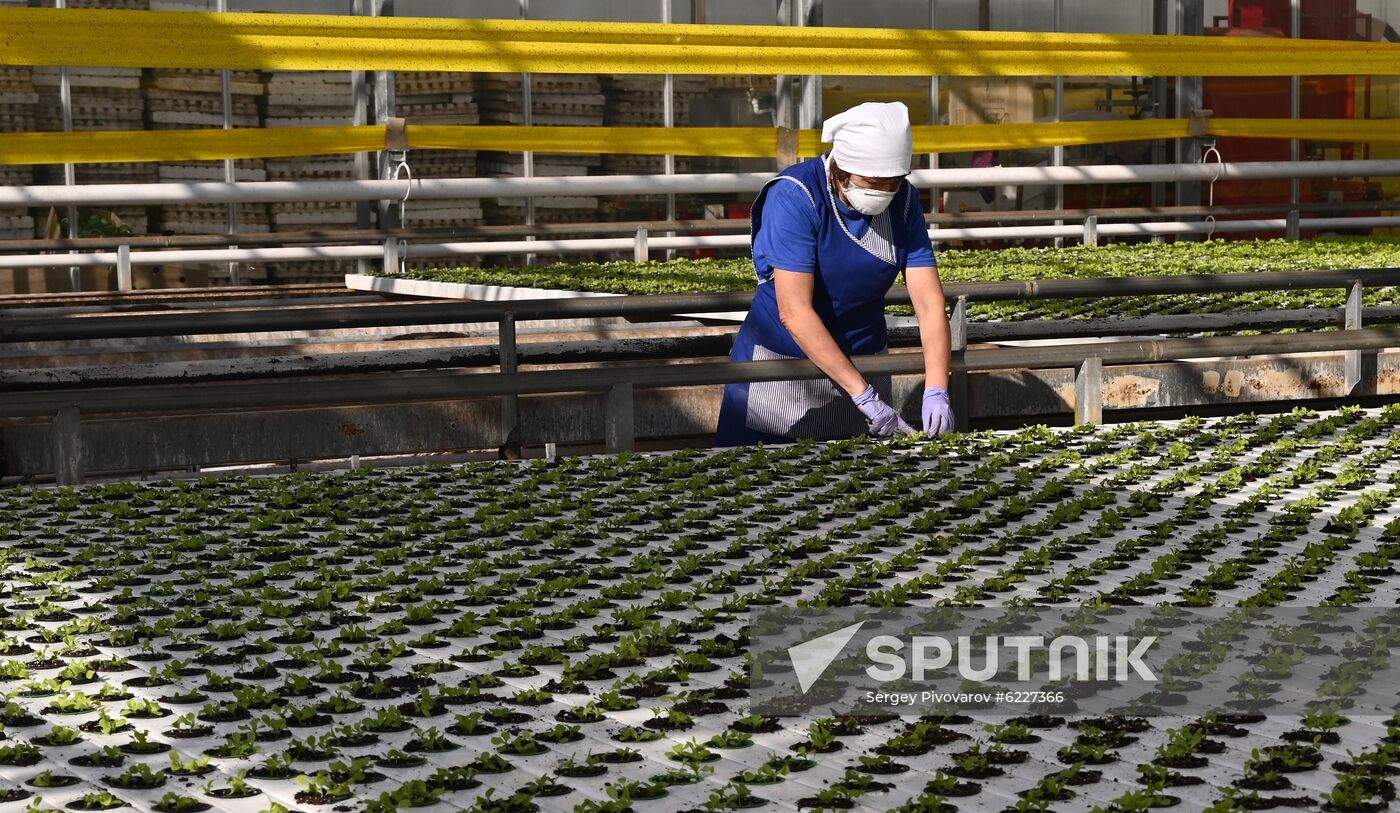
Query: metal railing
{"points": [[395, 250], [66, 406], [391, 314], [630, 227]]}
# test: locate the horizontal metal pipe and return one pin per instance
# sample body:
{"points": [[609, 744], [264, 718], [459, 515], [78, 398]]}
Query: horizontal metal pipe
{"points": [[251, 320], [284, 365], [721, 225], [455, 385], [593, 351], [606, 244], [697, 183]]}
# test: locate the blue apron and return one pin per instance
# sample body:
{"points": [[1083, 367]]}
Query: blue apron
{"points": [[851, 280]]}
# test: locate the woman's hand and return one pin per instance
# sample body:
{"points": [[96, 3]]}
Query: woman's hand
{"points": [[884, 422], [938, 411]]}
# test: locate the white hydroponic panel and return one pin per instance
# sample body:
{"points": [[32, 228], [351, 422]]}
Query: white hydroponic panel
{"points": [[569, 635]]}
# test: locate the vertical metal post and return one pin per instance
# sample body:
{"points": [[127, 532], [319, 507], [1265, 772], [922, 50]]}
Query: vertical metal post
{"points": [[668, 120], [934, 107], [619, 430], [1057, 153], [787, 148], [383, 110], [1190, 95], [640, 254], [527, 168], [510, 361], [1088, 392], [782, 83], [809, 114], [68, 446], [124, 268], [1160, 25], [70, 178], [1295, 110], [235, 269], [957, 379], [359, 90], [1360, 366]]}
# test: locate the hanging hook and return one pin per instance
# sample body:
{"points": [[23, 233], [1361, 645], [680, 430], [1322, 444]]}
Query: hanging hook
{"points": [[402, 166], [396, 149], [1208, 151]]}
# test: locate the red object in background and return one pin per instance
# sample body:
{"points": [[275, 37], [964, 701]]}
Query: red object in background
{"points": [[1320, 97]]}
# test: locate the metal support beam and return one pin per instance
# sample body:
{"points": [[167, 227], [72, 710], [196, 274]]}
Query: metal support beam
{"points": [[1161, 150], [782, 83], [1088, 392], [70, 178], [619, 431], [527, 158], [809, 110], [359, 89], [1190, 95], [957, 380], [68, 446], [510, 404], [1057, 153], [384, 104], [668, 120], [787, 148], [235, 269], [934, 111], [1295, 111]]}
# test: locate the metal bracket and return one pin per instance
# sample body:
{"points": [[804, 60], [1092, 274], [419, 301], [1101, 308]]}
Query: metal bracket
{"points": [[395, 252], [395, 135], [1091, 230], [124, 283], [1088, 392], [1359, 366], [1198, 125]]}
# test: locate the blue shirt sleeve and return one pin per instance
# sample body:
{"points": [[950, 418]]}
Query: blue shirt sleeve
{"points": [[919, 246], [787, 238]]}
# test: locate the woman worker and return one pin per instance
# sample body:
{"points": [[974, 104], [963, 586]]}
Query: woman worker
{"points": [[830, 235]]}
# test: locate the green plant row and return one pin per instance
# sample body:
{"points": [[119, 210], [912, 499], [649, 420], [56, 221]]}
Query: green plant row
{"points": [[1116, 260]]}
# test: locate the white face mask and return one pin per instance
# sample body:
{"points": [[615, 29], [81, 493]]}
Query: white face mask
{"points": [[868, 201]]}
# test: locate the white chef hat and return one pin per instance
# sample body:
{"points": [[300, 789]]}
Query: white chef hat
{"points": [[871, 139]]}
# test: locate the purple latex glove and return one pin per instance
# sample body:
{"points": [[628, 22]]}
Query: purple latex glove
{"points": [[884, 422], [938, 412]]}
